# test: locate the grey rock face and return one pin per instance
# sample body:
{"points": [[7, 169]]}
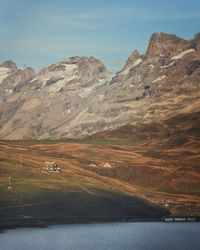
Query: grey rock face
{"points": [[196, 42], [166, 45], [79, 96], [135, 56], [47, 104], [19, 77], [9, 64]]}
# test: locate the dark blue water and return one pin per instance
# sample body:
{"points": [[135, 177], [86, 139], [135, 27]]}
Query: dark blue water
{"points": [[108, 236]]}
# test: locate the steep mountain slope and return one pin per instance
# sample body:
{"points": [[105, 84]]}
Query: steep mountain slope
{"points": [[79, 97], [43, 105], [182, 126], [142, 129], [160, 84], [166, 160]]}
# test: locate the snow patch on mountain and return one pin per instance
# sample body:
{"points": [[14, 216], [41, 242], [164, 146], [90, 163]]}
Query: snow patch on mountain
{"points": [[159, 78], [182, 54], [136, 63], [4, 72], [167, 66]]}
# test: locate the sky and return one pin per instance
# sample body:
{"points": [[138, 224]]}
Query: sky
{"points": [[38, 33]]}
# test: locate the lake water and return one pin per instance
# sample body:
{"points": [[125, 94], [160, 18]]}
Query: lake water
{"points": [[108, 236]]}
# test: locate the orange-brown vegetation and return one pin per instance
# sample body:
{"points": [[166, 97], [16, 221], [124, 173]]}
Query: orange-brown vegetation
{"points": [[157, 165], [169, 177]]}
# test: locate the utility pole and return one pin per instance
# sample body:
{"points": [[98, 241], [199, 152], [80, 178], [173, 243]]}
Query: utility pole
{"points": [[9, 183], [21, 160], [17, 159]]}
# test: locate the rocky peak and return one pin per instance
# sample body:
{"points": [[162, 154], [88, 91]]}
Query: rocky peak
{"points": [[196, 41], [133, 58], [81, 100], [9, 64], [197, 36], [91, 62], [165, 45], [94, 67], [78, 63], [72, 75], [19, 77]]}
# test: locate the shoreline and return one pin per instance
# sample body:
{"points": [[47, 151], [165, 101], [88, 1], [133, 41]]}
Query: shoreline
{"points": [[46, 222]]}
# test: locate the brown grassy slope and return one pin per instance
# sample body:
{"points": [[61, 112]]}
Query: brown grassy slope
{"points": [[168, 177], [168, 163], [159, 162], [74, 192], [182, 125]]}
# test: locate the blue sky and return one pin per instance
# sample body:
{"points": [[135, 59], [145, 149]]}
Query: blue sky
{"points": [[41, 32]]}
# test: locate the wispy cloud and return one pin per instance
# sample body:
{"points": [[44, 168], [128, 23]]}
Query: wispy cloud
{"points": [[50, 19], [58, 46], [138, 13], [108, 29]]}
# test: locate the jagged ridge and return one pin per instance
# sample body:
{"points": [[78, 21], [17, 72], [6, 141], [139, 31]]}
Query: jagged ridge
{"points": [[79, 96]]}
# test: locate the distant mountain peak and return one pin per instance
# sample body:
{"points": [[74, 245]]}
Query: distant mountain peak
{"points": [[133, 58], [166, 45], [196, 41], [76, 97], [9, 64], [197, 36]]}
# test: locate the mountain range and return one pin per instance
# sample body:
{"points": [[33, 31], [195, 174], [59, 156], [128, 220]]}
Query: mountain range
{"points": [[79, 97], [127, 143]]}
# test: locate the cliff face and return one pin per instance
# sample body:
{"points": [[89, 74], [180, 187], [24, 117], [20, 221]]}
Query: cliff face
{"points": [[79, 96], [43, 105], [162, 44], [159, 85]]}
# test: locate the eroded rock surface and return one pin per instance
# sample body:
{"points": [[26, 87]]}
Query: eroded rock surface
{"points": [[79, 96]]}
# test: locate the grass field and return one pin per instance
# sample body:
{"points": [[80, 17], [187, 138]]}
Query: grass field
{"points": [[99, 179]]}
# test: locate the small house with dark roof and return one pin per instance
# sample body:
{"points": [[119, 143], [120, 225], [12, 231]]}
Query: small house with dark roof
{"points": [[51, 167]]}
